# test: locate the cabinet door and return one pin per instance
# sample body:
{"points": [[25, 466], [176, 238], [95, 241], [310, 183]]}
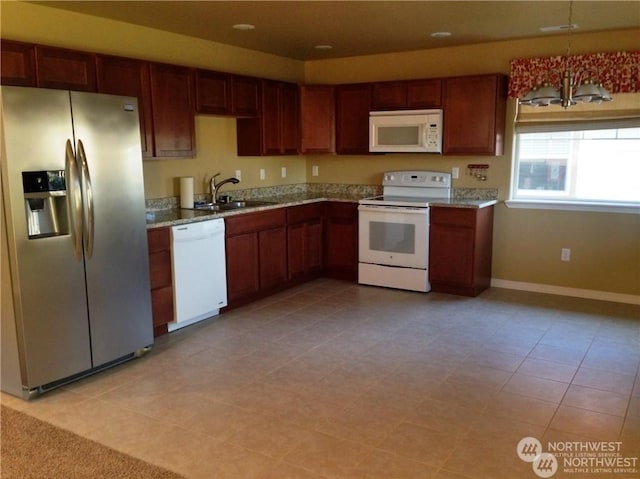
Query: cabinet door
{"points": [[273, 257], [18, 67], [158, 240], [451, 258], [304, 248], [160, 269], [474, 115], [213, 92], [290, 128], [271, 118], [460, 250], [389, 95], [161, 309], [172, 109], [424, 93], [242, 266], [245, 95], [128, 77], [65, 69], [296, 250], [314, 246], [353, 103], [317, 119], [341, 241]]}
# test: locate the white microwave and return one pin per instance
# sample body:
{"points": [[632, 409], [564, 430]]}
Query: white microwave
{"points": [[405, 131]]}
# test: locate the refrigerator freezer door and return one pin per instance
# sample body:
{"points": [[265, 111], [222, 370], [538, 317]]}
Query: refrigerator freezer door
{"points": [[50, 296], [117, 270]]}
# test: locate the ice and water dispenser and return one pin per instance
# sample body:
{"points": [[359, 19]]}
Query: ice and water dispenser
{"points": [[45, 201]]}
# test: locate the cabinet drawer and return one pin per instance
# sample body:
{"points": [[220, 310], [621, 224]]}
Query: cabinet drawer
{"points": [[162, 305], [160, 269], [158, 239], [454, 216], [304, 213], [250, 222], [345, 210]]}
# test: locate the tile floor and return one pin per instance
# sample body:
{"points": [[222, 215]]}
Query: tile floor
{"points": [[336, 380]]}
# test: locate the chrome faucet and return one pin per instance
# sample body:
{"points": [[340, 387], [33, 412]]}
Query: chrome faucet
{"points": [[215, 187]]}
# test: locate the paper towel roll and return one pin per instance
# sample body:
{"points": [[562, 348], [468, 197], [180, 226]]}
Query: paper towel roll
{"points": [[186, 192]]}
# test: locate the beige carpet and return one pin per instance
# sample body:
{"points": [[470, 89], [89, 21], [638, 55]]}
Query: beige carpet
{"points": [[30, 448]]}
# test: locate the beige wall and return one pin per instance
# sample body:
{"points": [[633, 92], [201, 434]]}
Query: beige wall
{"points": [[605, 247]]}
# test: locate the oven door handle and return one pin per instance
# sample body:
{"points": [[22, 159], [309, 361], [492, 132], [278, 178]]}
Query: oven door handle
{"points": [[410, 210]]}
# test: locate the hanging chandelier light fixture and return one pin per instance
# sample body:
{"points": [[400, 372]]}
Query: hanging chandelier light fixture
{"points": [[567, 87]]}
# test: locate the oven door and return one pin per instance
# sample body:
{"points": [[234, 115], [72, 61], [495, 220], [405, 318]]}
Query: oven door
{"points": [[393, 235]]}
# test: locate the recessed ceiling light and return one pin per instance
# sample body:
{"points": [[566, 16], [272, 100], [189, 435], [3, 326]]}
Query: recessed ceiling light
{"points": [[323, 47], [441, 34], [244, 26]]}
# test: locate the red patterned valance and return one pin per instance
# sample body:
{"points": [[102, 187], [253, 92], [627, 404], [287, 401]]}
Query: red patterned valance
{"points": [[619, 72]]}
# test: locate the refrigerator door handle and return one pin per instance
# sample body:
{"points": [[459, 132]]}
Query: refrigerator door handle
{"points": [[87, 202], [74, 200]]}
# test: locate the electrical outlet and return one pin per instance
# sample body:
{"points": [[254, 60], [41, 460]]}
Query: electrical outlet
{"points": [[455, 173], [314, 170], [565, 254], [263, 174], [283, 172], [239, 174]]}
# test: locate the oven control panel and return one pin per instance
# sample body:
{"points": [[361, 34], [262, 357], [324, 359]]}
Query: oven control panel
{"points": [[437, 179]]}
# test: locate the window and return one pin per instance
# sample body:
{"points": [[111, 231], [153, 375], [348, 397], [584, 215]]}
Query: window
{"points": [[577, 165]]}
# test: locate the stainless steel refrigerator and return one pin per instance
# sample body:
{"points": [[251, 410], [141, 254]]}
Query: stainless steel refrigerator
{"points": [[75, 289]]}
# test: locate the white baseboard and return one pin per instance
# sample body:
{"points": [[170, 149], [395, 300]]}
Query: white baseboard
{"points": [[563, 291]]}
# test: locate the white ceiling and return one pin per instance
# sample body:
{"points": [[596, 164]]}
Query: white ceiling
{"points": [[292, 28]]}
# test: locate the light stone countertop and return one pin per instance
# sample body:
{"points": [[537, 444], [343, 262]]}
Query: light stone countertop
{"points": [[158, 218]]}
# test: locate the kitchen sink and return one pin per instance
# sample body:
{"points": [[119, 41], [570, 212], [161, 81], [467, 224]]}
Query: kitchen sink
{"points": [[232, 205]]}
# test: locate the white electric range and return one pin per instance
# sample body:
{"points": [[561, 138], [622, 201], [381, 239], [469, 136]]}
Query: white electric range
{"points": [[393, 234]]}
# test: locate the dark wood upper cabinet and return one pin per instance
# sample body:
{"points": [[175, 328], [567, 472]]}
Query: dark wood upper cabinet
{"points": [[18, 67], [317, 119], [213, 92], [409, 94], [474, 115], [245, 95], [172, 100], [290, 129], [129, 77], [424, 93], [276, 130], [65, 69], [353, 104], [220, 93]]}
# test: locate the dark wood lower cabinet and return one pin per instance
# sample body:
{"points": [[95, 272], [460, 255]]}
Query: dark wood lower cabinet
{"points": [[304, 241], [341, 240], [272, 250], [460, 245], [159, 242], [256, 254]]}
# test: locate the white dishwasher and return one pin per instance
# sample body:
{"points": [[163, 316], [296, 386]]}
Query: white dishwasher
{"points": [[199, 271]]}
